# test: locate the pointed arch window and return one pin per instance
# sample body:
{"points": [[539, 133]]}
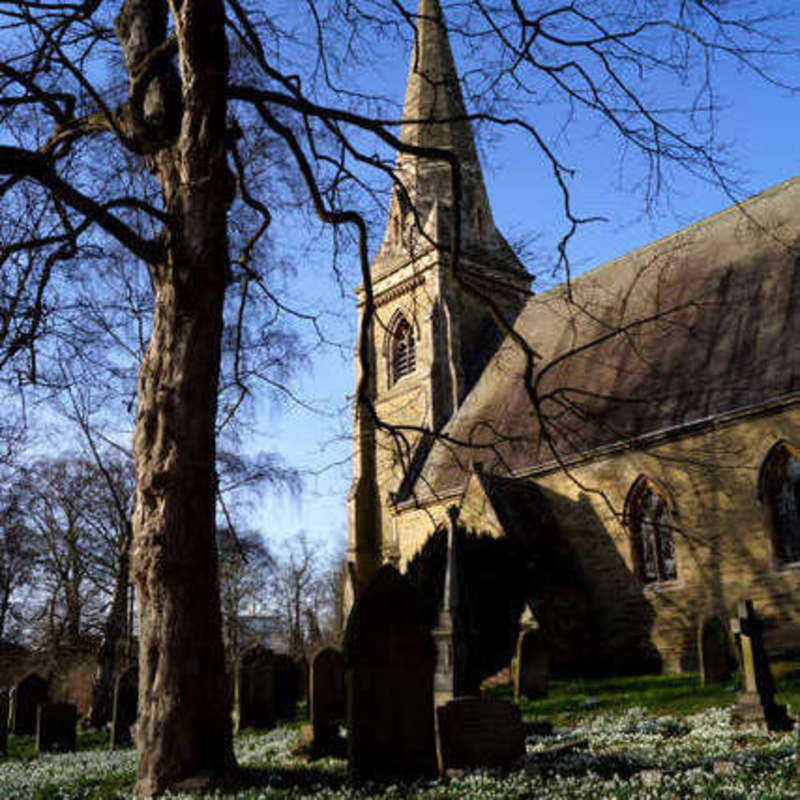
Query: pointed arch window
{"points": [[648, 518], [779, 490], [403, 355]]}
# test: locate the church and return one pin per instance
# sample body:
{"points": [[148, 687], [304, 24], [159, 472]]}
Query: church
{"points": [[634, 435]]}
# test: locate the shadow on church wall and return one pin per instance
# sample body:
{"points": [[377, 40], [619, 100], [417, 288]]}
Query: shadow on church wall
{"points": [[589, 630]]}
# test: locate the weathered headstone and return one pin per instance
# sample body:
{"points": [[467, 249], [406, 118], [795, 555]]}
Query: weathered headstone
{"points": [[714, 651], [479, 732], [28, 694], [389, 662], [303, 673], [254, 694], [287, 685], [56, 727], [449, 636], [327, 700], [4, 721], [126, 701], [757, 701], [531, 665]]}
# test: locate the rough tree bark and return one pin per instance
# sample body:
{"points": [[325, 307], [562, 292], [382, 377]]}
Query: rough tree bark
{"points": [[184, 736]]}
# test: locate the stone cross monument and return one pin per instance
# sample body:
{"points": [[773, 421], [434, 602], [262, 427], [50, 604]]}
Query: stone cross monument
{"points": [[449, 636], [757, 700]]}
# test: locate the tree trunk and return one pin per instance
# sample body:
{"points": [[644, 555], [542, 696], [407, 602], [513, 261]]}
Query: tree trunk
{"points": [[184, 728], [184, 734]]}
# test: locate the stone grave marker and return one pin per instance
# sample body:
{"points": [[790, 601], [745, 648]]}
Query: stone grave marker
{"points": [[714, 652], [287, 686], [56, 727], [389, 662], [757, 702], [255, 688], [326, 700], [4, 721], [531, 665], [126, 702], [303, 677], [31, 692], [479, 732]]}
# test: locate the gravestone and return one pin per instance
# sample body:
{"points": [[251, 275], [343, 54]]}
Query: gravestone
{"points": [[4, 721], [531, 665], [287, 686], [327, 700], [389, 662], [714, 652], [756, 702], [28, 694], [303, 677], [126, 701], [479, 732], [56, 728], [255, 688]]}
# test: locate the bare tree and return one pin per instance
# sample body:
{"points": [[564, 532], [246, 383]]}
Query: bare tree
{"points": [[80, 542], [303, 593], [244, 567], [17, 553], [188, 94]]}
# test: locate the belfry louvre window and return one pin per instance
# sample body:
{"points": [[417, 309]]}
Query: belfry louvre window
{"points": [[648, 518], [404, 355], [779, 489]]}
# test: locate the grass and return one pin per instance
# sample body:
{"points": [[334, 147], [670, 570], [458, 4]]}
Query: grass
{"points": [[571, 700], [21, 748]]}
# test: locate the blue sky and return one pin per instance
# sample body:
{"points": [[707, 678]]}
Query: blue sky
{"points": [[758, 120]]}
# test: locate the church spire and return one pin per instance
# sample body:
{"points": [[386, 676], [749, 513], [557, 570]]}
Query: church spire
{"points": [[434, 114]]}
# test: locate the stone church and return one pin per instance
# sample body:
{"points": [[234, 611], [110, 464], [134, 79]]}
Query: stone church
{"points": [[635, 435]]}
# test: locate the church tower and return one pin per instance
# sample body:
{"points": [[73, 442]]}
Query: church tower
{"points": [[429, 340]]}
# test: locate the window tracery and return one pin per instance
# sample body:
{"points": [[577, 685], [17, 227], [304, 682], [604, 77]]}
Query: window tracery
{"points": [[648, 517], [403, 357], [779, 489]]}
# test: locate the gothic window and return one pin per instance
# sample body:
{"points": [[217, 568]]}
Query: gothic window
{"points": [[648, 518], [403, 350], [779, 490]]}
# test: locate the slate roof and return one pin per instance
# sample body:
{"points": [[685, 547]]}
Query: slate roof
{"points": [[700, 323]]}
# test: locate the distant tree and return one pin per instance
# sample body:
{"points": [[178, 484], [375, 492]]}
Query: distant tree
{"points": [[304, 596], [245, 564], [17, 554], [80, 538]]}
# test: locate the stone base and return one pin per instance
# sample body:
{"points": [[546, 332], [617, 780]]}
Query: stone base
{"points": [[749, 709]]}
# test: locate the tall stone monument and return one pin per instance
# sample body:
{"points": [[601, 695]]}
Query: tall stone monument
{"points": [[389, 662], [450, 679], [326, 700], [757, 700]]}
